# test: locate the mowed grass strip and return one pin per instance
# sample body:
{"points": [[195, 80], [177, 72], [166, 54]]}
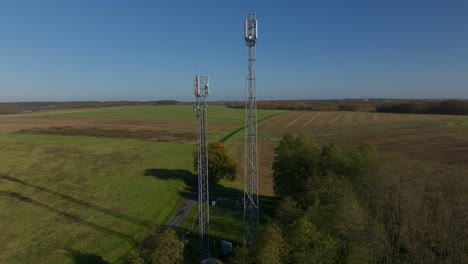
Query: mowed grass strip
{"points": [[67, 198]]}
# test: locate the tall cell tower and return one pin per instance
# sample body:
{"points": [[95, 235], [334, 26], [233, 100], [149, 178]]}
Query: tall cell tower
{"points": [[251, 213], [201, 87]]}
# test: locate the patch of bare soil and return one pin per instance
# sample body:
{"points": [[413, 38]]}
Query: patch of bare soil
{"points": [[147, 135], [9, 125], [150, 130]]}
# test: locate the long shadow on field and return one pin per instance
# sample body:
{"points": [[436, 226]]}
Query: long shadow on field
{"points": [[88, 205], [85, 258], [224, 139], [227, 198], [169, 174], [71, 217], [228, 209]]}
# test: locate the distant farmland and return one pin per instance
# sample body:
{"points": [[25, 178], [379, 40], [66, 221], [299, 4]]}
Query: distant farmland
{"points": [[74, 183], [152, 123]]}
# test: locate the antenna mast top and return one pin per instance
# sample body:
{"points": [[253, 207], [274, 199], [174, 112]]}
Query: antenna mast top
{"points": [[250, 29]]}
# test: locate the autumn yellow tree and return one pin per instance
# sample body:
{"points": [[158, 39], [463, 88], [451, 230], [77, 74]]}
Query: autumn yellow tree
{"points": [[220, 164]]}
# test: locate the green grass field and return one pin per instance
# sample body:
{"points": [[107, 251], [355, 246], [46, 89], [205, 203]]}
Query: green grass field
{"points": [[65, 196], [216, 113], [72, 199], [462, 122]]}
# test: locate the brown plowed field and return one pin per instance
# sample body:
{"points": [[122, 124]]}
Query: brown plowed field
{"points": [[167, 131]]}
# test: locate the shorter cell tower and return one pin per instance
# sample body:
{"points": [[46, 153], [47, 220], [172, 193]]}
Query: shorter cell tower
{"points": [[201, 87]]}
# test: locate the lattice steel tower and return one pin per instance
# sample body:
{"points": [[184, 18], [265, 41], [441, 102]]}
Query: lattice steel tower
{"points": [[201, 87], [251, 213]]}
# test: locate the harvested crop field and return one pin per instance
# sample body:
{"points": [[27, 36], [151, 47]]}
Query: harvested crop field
{"points": [[435, 138], [434, 144], [438, 139], [300, 121], [265, 161]]}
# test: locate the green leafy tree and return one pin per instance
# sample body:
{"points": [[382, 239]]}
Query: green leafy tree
{"points": [[220, 164], [309, 245], [287, 211], [299, 163], [296, 159], [135, 258], [168, 249], [269, 246], [241, 256]]}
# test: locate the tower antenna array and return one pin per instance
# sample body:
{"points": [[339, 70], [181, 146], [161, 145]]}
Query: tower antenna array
{"points": [[251, 213], [201, 87]]}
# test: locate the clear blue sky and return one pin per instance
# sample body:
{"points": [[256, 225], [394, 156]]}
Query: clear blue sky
{"points": [[149, 50]]}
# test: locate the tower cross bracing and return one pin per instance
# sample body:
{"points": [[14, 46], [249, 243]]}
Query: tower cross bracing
{"points": [[251, 206], [201, 90]]}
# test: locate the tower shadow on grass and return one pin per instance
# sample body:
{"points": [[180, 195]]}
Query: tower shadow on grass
{"points": [[219, 192], [223, 220], [170, 174], [69, 198], [86, 258], [191, 251], [69, 216]]}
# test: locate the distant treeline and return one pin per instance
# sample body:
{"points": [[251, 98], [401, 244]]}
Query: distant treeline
{"points": [[18, 107], [7, 109], [448, 107], [166, 102], [294, 105]]}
